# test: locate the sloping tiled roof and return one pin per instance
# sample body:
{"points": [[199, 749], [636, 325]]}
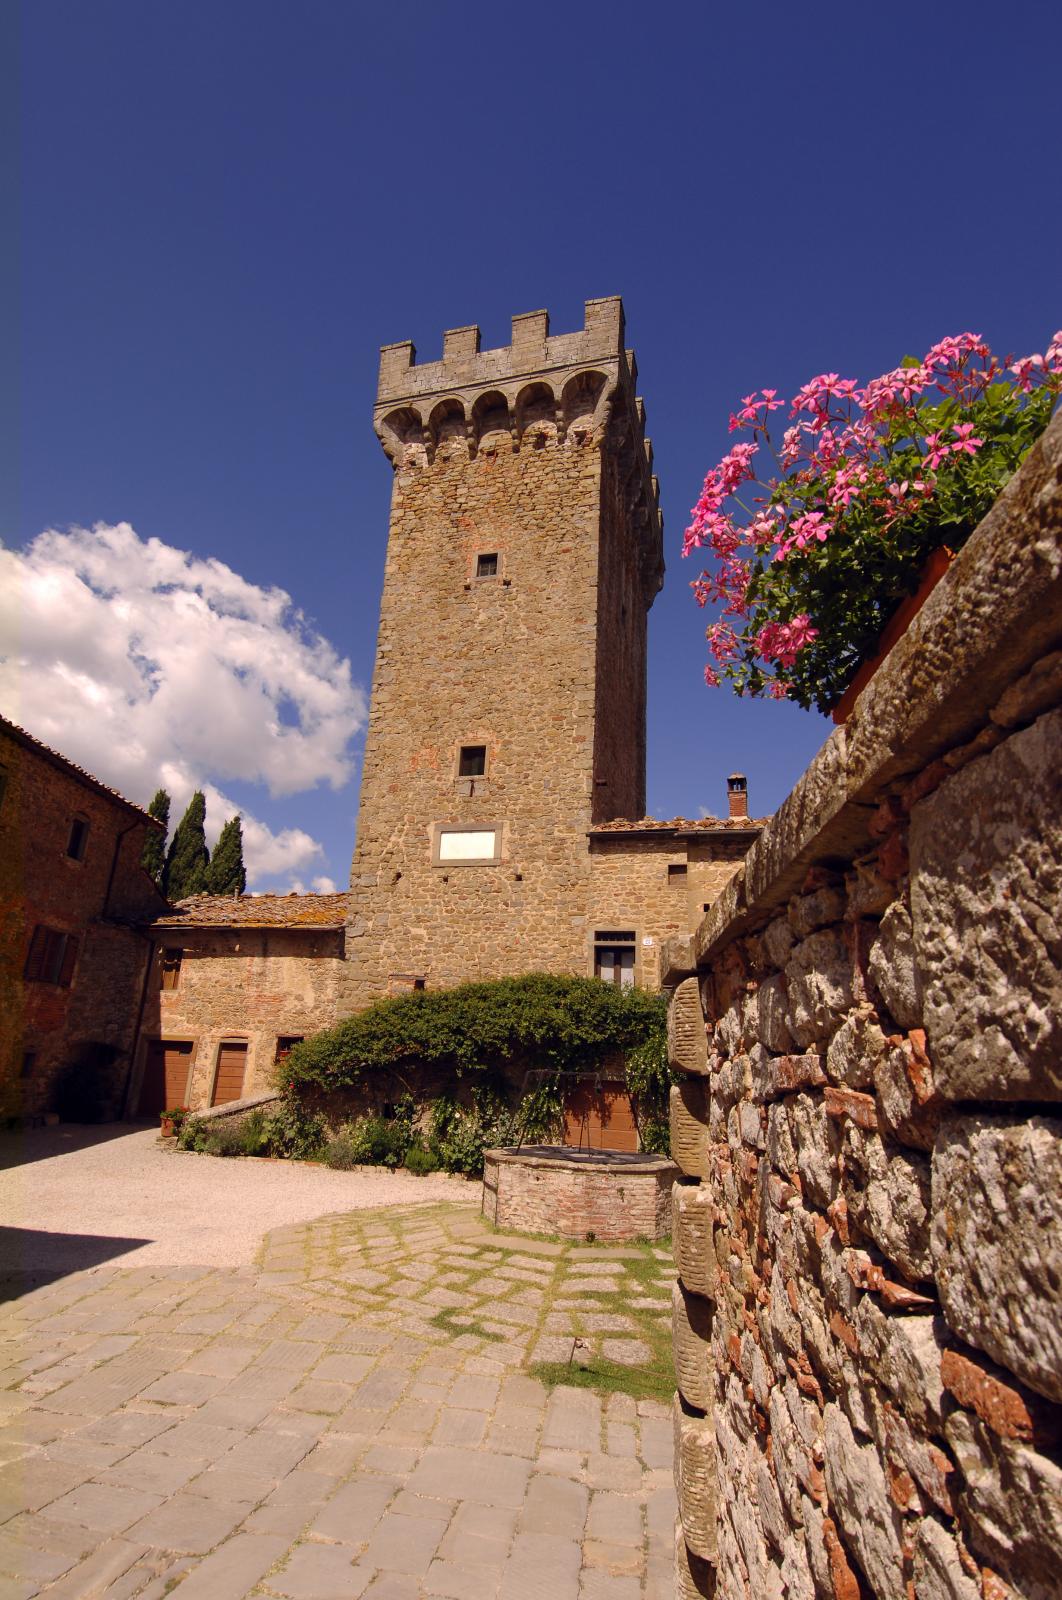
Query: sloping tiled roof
{"points": [[681, 825], [28, 742], [256, 911]]}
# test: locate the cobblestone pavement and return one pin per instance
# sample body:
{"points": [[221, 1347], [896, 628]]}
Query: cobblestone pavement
{"points": [[353, 1417]]}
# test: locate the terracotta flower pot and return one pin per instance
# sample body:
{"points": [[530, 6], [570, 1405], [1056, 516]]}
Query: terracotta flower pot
{"points": [[166, 1128], [897, 626]]}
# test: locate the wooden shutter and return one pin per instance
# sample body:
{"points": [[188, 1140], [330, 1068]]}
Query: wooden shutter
{"points": [[165, 1081], [68, 960], [228, 1080], [34, 967], [599, 1117], [176, 1055]]}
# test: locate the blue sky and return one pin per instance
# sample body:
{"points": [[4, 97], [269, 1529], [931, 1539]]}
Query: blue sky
{"points": [[226, 208]]}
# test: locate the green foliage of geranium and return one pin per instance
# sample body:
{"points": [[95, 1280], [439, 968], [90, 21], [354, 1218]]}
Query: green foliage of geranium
{"points": [[812, 562]]}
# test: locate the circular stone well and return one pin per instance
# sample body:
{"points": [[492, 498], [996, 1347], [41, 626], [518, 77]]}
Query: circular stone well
{"points": [[614, 1195]]}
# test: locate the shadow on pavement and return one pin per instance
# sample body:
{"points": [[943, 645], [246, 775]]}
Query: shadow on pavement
{"points": [[30, 1259], [20, 1146]]}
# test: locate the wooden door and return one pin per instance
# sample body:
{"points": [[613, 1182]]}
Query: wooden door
{"points": [[599, 1117], [165, 1081], [228, 1080]]}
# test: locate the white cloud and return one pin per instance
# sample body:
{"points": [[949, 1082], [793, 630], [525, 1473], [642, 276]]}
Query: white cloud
{"points": [[150, 666], [324, 885]]}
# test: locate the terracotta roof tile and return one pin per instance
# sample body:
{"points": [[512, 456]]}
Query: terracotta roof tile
{"points": [[256, 911], [681, 825], [29, 742]]}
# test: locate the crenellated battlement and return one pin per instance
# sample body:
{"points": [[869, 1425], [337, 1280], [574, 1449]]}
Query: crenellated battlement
{"points": [[573, 389], [533, 350]]}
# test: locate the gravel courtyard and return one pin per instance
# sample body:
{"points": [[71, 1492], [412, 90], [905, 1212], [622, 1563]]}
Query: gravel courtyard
{"points": [[225, 1378]]}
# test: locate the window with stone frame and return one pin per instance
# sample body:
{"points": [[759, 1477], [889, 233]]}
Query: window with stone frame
{"points": [[614, 954], [286, 1043], [487, 565], [472, 761]]}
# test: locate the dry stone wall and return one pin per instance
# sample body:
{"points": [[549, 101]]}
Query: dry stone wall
{"points": [[868, 1230]]}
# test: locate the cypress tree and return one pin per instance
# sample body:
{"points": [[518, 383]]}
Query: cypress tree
{"points": [[188, 857], [225, 874], [153, 859]]}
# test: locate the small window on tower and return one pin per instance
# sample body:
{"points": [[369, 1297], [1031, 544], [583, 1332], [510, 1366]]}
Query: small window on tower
{"points": [[472, 762], [487, 565], [676, 875]]}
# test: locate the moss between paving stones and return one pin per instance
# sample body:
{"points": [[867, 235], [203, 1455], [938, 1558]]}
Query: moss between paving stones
{"points": [[385, 1240]]}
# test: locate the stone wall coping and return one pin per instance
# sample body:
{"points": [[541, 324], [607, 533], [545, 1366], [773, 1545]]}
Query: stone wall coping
{"points": [[997, 610], [523, 1158], [234, 1108]]}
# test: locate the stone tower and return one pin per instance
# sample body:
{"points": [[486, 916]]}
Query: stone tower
{"points": [[509, 694]]}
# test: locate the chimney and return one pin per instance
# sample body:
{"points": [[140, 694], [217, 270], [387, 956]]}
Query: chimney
{"points": [[737, 792]]}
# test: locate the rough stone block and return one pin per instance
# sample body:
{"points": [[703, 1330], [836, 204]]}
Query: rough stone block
{"points": [[892, 967], [938, 1571], [687, 1045], [986, 888], [819, 986], [997, 1240], [888, 1193], [694, 1578], [696, 1480], [1010, 1503], [907, 1093], [774, 1076], [810, 911], [691, 1333], [769, 1006], [861, 1504], [692, 1211], [855, 1049], [689, 1128]]}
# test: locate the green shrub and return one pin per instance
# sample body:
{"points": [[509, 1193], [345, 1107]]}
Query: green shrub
{"points": [[191, 1135], [378, 1141], [294, 1131], [558, 1023], [223, 1141], [339, 1153], [459, 1134], [420, 1160], [254, 1134]]}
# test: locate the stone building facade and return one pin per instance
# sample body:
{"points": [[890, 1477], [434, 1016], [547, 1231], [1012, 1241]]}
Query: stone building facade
{"points": [[234, 983], [868, 1024], [508, 699], [72, 892]]}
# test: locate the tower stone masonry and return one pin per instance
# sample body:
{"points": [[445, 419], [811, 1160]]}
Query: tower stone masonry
{"points": [[509, 694]]}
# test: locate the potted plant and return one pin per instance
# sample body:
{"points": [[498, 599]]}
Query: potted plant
{"points": [[870, 493], [171, 1121]]}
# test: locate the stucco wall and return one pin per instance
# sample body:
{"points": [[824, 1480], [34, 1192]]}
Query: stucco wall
{"points": [[869, 1233]]}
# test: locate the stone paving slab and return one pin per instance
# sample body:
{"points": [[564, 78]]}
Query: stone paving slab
{"points": [[350, 1417]]}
